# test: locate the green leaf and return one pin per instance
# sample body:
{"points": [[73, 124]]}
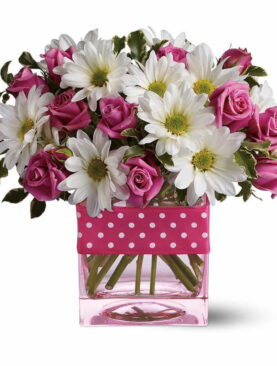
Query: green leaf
{"points": [[64, 196], [245, 191], [180, 195], [26, 59], [166, 159], [133, 151], [156, 46], [5, 98], [130, 132], [37, 208], [119, 43], [5, 75], [3, 170], [15, 195], [255, 71], [262, 147], [247, 161], [251, 81], [220, 197], [137, 43]]}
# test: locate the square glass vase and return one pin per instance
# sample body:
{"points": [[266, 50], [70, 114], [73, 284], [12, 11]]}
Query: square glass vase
{"points": [[144, 267]]}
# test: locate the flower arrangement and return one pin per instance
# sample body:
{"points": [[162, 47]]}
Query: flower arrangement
{"points": [[139, 120]]}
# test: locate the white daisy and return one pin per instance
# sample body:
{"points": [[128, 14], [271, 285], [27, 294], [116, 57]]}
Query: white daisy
{"points": [[22, 126], [91, 36], [262, 96], [97, 71], [155, 76], [179, 41], [175, 120], [64, 42], [205, 77], [210, 166], [97, 173]]}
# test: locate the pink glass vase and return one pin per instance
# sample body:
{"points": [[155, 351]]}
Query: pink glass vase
{"points": [[145, 266]]}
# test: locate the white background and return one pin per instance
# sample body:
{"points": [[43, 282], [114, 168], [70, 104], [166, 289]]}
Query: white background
{"points": [[38, 260]]}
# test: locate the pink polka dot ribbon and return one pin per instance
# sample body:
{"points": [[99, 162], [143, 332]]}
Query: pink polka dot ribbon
{"points": [[153, 230]]}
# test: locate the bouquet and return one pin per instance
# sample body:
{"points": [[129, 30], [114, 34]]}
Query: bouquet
{"points": [[137, 121]]}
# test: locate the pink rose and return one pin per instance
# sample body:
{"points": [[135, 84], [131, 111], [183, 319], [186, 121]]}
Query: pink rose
{"points": [[263, 127], [267, 175], [144, 180], [236, 57], [233, 106], [24, 80], [117, 115], [67, 115], [179, 54], [55, 57], [43, 175]]}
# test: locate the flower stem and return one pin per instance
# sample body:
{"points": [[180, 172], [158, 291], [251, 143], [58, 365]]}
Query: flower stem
{"points": [[125, 260], [195, 264], [94, 264], [106, 267], [153, 275], [138, 274], [185, 269], [195, 258], [178, 272]]}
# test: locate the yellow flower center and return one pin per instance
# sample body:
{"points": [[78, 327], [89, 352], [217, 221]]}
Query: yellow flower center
{"points": [[203, 160], [97, 170], [177, 124], [26, 126], [203, 86], [158, 87], [99, 78]]}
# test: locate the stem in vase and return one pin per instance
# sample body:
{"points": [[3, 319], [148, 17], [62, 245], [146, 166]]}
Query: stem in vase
{"points": [[178, 272], [109, 261], [138, 274], [195, 258], [125, 260], [153, 274], [94, 265], [185, 269]]}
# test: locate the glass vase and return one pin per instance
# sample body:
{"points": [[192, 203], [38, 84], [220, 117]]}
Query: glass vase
{"points": [[145, 266]]}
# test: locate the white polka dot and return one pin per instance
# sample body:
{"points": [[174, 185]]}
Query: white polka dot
{"points": [[131, 245], [152, 225], [142, 235], [152, 245], [120, 215], [80, 235], [162, 215], [100, 235], [89, 225], [163, 235], [141, 215], [193, 245], [204, 235], [184, 235], [79, 214], [194, 225], [173, 225], [173, 245], [100, 216], [183, 215], [111, 245], [89, 245], [110, 225], [204, 215], [121, 235], [131, 225]]}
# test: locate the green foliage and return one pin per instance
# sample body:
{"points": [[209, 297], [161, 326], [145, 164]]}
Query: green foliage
{"points": [[261, 147], [166, 159], [137, 43], [3, 170], [5, 98], [220, 197], [255, 71], [247, 161], [15, 195], [5, 75], [130, 132], [37, 208], [26, 59], [180, 195], [246, 190], [133, 151], [119, 43]]}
